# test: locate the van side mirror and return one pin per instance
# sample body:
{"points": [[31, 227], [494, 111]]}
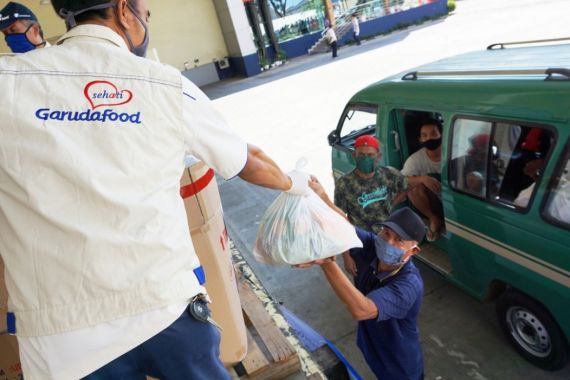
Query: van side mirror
{"points": [[333, 138]]}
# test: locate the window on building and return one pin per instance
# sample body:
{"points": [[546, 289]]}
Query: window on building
{"points": [[295, 19]]}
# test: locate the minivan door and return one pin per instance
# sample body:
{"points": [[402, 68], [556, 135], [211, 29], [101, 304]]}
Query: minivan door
{"points": [[490, 197]]}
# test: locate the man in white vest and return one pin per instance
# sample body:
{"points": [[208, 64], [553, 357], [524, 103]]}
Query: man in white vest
{"points": [[100, 267]]}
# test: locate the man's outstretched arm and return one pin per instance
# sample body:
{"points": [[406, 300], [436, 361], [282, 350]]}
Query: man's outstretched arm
{"points": [[261, 170], [360, 307]]}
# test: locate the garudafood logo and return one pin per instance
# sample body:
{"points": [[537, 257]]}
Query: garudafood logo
{"points": [[101, 95]]}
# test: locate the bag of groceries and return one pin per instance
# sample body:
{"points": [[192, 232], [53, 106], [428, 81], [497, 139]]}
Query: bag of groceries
{"points": [[297, 229]]}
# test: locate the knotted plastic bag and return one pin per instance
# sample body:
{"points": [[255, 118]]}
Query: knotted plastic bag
{"points": [[297, 229]]}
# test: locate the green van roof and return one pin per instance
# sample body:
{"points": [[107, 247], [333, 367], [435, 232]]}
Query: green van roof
{"points": [[513, 77], [515, 59]]}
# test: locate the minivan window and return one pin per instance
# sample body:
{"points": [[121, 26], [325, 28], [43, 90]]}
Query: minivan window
{"points": [[469, 155], [358, 119], [500, 161], [519, 162], [558, 203]]}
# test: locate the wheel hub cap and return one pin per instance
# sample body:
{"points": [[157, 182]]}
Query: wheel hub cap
{"points": [[529, 332]]}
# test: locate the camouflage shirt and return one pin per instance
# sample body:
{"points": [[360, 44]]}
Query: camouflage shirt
{"points": [[368, 202]]}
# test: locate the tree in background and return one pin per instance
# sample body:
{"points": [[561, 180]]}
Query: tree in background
{"points": [[268, 23]]}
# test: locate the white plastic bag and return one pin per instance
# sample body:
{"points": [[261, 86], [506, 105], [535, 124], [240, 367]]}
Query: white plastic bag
{"points": [[297, 229]]}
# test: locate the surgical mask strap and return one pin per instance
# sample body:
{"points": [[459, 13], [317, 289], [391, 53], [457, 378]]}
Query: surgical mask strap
{"points": [[69, 16], [30, 27], [139, 50], [27, 30], [409, 257], [41, 35]]}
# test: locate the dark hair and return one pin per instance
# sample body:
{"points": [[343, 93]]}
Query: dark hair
{"points": [[431, 121], [102, 14], [77, 5]]}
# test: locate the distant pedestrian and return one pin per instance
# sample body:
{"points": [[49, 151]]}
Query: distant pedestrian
{"points": [[355, 28], [330, 37]]}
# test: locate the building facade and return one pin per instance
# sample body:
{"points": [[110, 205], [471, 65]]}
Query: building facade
{"points": [[210, 40]]}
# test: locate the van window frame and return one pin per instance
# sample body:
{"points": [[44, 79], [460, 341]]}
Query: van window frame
{"points": [[563, 159], [342, 118], [493, 120], [396, 123]]}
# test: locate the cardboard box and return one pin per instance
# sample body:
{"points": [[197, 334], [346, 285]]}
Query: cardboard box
{"points": [[10, 368], [199, 189], [209, 236]]}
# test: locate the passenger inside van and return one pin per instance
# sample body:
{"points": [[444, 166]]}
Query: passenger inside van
{"points": [[476, 160], [559, 207], [535, 148], [532, 168], [475, 182], [469, 172], [426, 161]]}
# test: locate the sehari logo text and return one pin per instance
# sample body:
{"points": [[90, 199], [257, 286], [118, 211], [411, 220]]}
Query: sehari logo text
{"points": [[99, 93]]}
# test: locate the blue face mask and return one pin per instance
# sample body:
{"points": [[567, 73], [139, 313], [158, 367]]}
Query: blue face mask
{"points": [[141, 49], [387, 253], [19, 42]]}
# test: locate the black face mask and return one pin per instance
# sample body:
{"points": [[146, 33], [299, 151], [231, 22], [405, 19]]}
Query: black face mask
{"points": [[432, 144]]}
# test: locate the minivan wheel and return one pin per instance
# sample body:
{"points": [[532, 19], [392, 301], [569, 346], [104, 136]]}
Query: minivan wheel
{"points": [[532, 330]]}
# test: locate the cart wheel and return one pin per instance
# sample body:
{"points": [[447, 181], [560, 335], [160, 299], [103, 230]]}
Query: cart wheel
{"points": [[532, 330]]}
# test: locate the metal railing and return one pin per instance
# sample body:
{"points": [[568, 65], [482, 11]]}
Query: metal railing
{"points": [[378, 8], [502, 45], [551, 74]]}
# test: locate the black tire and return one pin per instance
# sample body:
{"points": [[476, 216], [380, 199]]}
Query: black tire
{"points": [[532, 331]]}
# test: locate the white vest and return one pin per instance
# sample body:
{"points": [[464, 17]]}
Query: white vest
{"points": [[92, 226]]}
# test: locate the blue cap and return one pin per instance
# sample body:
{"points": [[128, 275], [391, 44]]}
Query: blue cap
{"points": [[407, 224], [13, 12]]}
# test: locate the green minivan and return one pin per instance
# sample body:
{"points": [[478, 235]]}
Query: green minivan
{"points": [[499, 109]]}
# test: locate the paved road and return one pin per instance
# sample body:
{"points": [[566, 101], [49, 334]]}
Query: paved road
{"points": [[289, 111]]}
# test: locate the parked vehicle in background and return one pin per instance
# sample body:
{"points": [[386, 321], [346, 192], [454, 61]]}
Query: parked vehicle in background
{"points": [[505, 113]]}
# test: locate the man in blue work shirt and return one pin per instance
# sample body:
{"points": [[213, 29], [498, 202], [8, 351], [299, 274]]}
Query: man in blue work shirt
{"points": [[386, 295]]}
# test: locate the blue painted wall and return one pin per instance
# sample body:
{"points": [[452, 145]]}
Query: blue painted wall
{"points": [[244, 66], [300, 46]]}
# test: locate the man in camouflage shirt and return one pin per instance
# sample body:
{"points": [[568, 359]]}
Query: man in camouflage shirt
{"points": [[368, 202], [368, 193]]}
